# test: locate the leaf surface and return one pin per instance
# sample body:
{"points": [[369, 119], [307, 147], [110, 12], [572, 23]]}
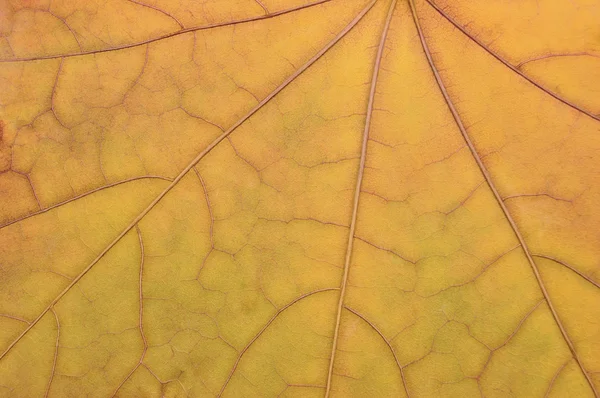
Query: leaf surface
{"points": [[246, 198]]}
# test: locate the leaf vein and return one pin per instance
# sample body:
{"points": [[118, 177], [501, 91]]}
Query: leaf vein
{"points": [[60, 204], [53, 371], [190, 165], [508, 64], [262, 330], [495, 192], [141, 312], [584, 276], [169, 35], [357, 191], [387, 342]]}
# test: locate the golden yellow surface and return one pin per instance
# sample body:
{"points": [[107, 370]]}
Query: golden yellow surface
{"points": [[345, 198]]}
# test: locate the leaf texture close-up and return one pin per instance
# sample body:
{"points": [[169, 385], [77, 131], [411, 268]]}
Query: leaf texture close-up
{"points": [[331, 198]]}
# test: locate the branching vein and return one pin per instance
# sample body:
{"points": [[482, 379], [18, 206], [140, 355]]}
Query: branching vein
{"points": [[497, 196], [190, 165], [508, 64], [387, 342]]}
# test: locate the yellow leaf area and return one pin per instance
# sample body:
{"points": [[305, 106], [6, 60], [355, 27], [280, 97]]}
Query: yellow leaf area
{"points": [[343, 198]]}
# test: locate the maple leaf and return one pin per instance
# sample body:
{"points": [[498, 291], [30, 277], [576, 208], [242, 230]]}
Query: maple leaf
{"points": [[290, 198]]}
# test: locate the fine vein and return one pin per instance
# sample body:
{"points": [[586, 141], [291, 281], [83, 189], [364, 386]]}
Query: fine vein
{"points": [[212, 221], [159, 10], [357, 189], [387, 342], [140, 312], [558, 372], [169, 35], [497, 196], [55, 353], [114, 184], [201, 155], [262, 330], [581, 274]]}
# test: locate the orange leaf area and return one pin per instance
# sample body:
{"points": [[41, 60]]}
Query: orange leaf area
{"points": [[292, 198]]}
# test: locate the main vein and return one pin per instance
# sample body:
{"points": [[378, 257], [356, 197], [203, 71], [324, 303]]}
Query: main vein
{"points": [[357, 190], [497, 196], [190, 165]]}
